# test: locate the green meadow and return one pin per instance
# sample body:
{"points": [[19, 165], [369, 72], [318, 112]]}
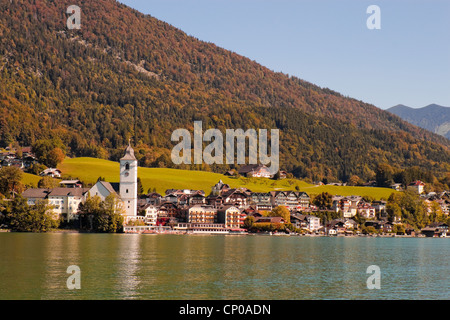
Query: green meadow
{"points": [[30, 180], [90, 169]]}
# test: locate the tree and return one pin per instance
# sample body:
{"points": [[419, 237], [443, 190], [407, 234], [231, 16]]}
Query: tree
{"points": [[368, 230], [354, 181], [323, 200], [281, 211], [383, 175], [248, 222], [49, 152], [87, 209], [436, 213], [413, 209], [140, 188], [48, 183], [36, 218], [398, 229], [10, 180], [394, 211], [55, 157], [102, 216], [37, 168], [112, 209]]}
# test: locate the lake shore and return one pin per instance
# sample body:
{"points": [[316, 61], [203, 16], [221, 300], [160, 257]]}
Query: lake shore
{"points": [[72, 231]]}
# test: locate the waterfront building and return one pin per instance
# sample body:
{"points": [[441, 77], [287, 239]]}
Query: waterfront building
{"points": [[230, 216], [201, 214], [65, 201]]}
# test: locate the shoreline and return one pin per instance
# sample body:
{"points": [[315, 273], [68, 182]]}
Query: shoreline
{"points": [[73, 231]]}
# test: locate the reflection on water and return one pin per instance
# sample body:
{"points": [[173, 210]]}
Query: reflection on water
{"points": [[128, 265], [33, 266]]}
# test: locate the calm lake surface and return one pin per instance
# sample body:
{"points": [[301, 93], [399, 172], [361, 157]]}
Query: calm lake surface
{"points": [[190, 267]]}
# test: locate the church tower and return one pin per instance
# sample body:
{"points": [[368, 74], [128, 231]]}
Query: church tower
{"points": [[128, 182]]}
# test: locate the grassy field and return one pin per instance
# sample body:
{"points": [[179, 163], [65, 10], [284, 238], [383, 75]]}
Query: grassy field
{"points": [[30, 180], [89, 169]]}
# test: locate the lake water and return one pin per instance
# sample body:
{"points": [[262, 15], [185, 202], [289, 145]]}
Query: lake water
{"points": [[192, 267]]}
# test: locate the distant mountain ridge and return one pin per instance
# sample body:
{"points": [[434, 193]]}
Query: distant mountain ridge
{"points": [[433, 117]]}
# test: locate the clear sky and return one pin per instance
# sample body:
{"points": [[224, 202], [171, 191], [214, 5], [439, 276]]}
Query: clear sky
{"points": [[328, 43]]}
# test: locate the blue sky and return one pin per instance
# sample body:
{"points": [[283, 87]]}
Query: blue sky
{"points": [[327, 42]]}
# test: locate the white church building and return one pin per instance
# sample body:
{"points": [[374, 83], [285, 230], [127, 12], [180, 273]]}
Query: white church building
{"points": [[126, 189]]}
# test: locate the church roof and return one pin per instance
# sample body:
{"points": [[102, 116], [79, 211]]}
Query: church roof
{"points": [[112, 187], [129, 153]]}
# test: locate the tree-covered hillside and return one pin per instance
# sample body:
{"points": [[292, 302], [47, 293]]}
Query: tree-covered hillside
{"points": [[127, 75]]}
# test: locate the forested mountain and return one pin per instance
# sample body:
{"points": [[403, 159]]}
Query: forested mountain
{"points": [[128, 75], [433, 117]]}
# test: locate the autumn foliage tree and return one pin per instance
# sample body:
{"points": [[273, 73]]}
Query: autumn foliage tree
{"points": [[323, 200], [21, 217], [281, 211], [49, 152], [102, 216], [10, 181]]}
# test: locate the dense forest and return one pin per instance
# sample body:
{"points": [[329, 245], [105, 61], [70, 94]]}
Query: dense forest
{"points": [[125, 75]]}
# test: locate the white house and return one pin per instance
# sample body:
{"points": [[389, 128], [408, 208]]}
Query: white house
{"points": [[51, 172], [416, 186], [310, 222], [313, 223], [65, 201], [151, 214]]}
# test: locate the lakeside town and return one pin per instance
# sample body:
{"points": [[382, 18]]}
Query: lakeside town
{"points": [[226, 210]]}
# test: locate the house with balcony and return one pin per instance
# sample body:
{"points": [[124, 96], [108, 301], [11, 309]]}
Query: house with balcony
{"points": [[308, 222], [237, 197], [261, 201], [197, 198], [231, 217], [293, 200], [348, 206], [201, 214], [366, 210], [150, 213]]}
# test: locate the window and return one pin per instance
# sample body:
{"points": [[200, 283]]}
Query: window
{"points": [[127, 166], [127, 191]]}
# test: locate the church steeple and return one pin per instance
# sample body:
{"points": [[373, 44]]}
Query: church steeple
{"points": [[128, 181], [129, 153]]}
